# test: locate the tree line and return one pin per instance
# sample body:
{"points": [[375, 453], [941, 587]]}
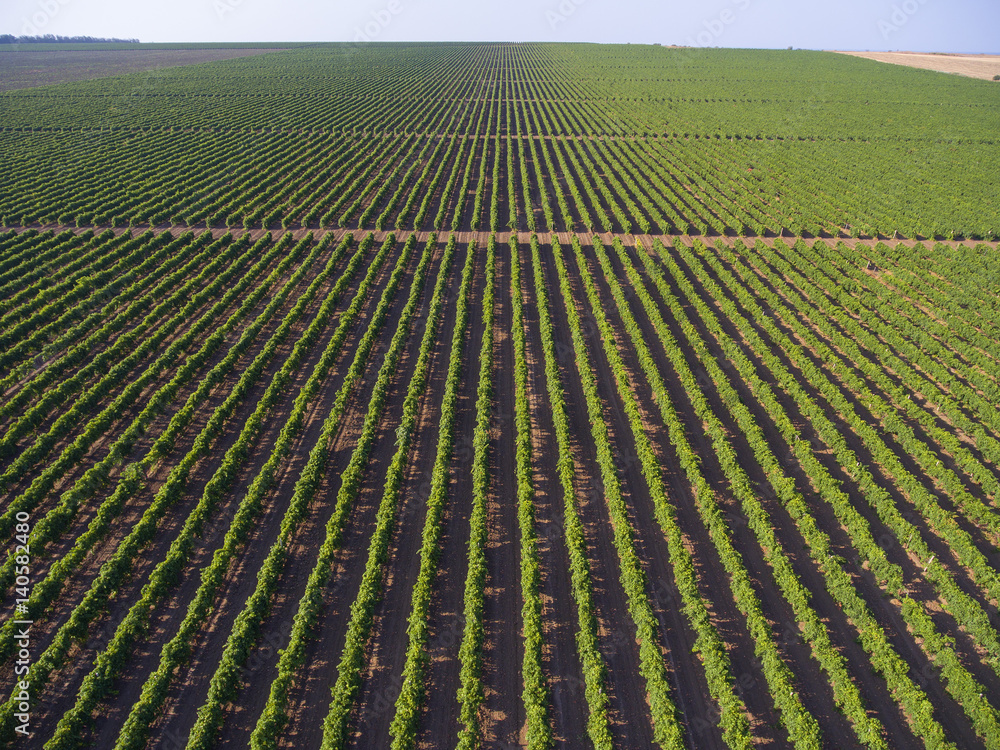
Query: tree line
{"points": [[58, 39]]}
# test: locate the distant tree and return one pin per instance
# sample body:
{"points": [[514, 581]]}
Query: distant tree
{"points": [[55, 39]]}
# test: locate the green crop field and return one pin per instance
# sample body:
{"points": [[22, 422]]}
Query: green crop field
{"points": [[588, 138], [497, 395]]}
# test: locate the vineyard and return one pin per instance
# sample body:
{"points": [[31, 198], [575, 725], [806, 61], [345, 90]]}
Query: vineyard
{"points": [[501, 395]]}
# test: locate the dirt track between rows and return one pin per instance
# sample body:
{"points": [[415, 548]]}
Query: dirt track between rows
{"points": [[503, 236]]}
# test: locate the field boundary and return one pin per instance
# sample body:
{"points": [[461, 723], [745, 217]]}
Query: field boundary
{"points": [[545, 238], [687, 135]]}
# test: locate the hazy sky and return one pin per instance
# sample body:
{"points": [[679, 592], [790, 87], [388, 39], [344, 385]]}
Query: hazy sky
{"points": [[924, 25]]}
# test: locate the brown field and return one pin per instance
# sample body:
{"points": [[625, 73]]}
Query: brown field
{"points": [[25, 69], [974, 66]]}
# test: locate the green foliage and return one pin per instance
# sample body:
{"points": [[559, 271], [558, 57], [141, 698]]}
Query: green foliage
{"points": [[616, 138], [594, 670], [852, 384], [536, 690], [470, 655], [411, 694], [225, 681], [352, 659]]}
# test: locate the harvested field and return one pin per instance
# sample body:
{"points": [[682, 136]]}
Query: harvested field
{"points": [[973, 66], [24, 69]]}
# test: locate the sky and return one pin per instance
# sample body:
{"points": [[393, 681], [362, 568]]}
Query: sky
{"points": [[917, 25]]}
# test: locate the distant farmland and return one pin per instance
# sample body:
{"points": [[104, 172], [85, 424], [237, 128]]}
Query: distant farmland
{"points": [[501, 395], [26, 66]]}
